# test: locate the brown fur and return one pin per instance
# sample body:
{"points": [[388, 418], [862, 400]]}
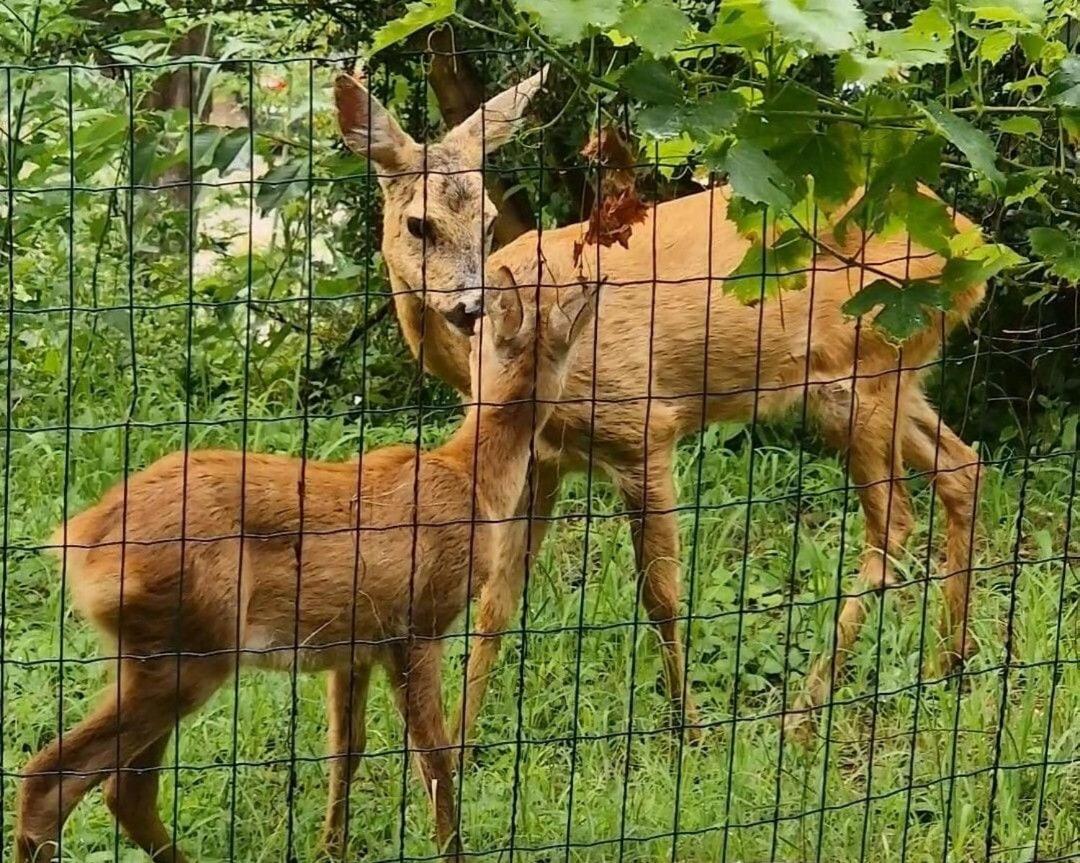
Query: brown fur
{"points": [[652, 330], [209, 558]]}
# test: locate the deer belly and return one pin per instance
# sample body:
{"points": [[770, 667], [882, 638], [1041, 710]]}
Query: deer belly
{"points": [[311, 652]]}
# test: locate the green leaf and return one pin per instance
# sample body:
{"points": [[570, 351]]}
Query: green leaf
{"points": [[1022, 185], [711, 116], [741, 24], [855, 67], [651, 82], [972, 142], [979, 264], [203, 144], [903, 310], [567, 21], [828, 26], [1064, 86], [1020, 126], [1059, 250], [927, 40], [145, 158], [228, 149], [928, 220], [763, 273], [658, 26], [1028, 13], [756, 177], [659, 121], [834, 158], [417, 16], [995, 45], [282, 184]]}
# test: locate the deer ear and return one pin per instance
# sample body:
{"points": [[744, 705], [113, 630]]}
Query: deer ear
{"points": [[369, 129], [572, 311], [504, 308], [495, 122]]}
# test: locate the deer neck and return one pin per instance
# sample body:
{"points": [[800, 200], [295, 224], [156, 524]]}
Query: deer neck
{"points": [[494, 444], [443, 350]]}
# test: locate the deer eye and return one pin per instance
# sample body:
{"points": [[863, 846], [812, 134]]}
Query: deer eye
{"points": [[422, 229]]}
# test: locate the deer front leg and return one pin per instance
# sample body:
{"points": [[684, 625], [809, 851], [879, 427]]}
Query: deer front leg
{"points": [[502, 594], [655, 529], [347, 691], [416, 675], [876, 471]]}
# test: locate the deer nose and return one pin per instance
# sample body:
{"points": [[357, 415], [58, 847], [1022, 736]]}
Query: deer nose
{"points": [[464, 314]]}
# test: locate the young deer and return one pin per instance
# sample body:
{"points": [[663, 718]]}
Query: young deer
{"points": [[675, 352], [210, 558]]}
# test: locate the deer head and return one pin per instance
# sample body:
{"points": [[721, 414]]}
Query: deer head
{"points": [[520, 347], [437, 217]]}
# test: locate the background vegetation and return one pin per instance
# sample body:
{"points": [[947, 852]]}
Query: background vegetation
{"points": [[189, 257]]}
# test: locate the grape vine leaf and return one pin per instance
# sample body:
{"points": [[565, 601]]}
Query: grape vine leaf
{"points": [[567, 21], [828, 26], [904, 310], [754, 176], [417, 16], [650, 81], [1064, 86], [763, 273], [1059, 250], [658, 26], [972, 142]]}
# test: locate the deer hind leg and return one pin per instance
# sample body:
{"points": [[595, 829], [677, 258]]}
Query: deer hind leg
{"points": [[654, 527], [876, 471], [416, 675], [955, 469], [502, 594], [132, 795], [347, 691], [123, 726]]}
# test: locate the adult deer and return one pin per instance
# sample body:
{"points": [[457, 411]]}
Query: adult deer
{"points": [[209, 558], [674, 352]]}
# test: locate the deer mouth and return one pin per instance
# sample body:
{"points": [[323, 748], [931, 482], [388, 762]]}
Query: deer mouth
{"points": [[463, 319]]}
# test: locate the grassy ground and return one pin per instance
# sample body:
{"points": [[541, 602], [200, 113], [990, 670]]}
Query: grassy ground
{"points": [[901, 765]]}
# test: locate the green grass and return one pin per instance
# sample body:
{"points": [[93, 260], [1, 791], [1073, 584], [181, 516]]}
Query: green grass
{"points": [[847, 799]]}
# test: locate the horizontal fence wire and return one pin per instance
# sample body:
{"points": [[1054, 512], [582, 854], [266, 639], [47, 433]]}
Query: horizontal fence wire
{"points": [[722, 605]]}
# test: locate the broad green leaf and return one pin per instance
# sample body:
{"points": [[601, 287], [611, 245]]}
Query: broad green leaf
{"points": [[658, 26], [282, 184], [204, 142], [670, 155], [833, 157], [1064, 85], [651, 82], [741, 24], [763, 273], [417, 16], [228, 149], [714, 114], [1021, 125], [828, 26], [979, 264], [568, 21], [927, 40], [1059, 250], [1023, 12], [972, 142], [995, 45], [754, 176], [928, 220], [903, 310], [1023, 185], [659, 121], [856, 67]]}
